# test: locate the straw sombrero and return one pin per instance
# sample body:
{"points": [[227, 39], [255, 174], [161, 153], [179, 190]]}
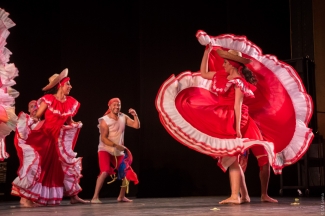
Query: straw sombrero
{"points": [[55, 79], [233, 55]]}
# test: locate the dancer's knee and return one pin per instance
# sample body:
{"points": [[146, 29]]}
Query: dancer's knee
{"points": [[262, 161]]}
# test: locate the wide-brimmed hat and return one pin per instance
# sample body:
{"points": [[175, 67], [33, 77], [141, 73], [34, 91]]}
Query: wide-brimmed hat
{"points": [[233, 55], [55, 79]]}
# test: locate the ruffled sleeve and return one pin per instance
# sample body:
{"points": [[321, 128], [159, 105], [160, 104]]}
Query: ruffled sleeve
{"points": [[48, 99], [68, 108], [243, 85]]}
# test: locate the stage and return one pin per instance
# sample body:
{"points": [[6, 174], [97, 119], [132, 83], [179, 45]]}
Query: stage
{"points": [[187, 206]]}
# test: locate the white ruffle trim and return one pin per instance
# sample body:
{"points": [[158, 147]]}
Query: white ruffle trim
{"points": [[188, 135], [30, 169], [5, 24], [6, 21], [240, 84], [291, 81], [237, 82], [39, 193], [71, 165], [27, 185], [7, 73], [70, 112], [28, 174]]}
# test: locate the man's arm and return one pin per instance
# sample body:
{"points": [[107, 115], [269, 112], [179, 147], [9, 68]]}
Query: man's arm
{"points": [[104, 131], [135, 122]]}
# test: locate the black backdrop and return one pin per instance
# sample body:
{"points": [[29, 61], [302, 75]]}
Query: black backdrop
{"points": [[127, 49]]}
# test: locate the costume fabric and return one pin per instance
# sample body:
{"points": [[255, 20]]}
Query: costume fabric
{"points": [[25, 152], [52, 167], [8, 72], [199, 113]]}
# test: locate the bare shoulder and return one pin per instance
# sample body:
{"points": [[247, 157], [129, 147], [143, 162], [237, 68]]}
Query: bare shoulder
{"points": [[125, 115], [102, 122]]}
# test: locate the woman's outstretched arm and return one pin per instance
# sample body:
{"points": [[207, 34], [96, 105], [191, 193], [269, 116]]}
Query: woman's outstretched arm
{"points": [[205, 73]]}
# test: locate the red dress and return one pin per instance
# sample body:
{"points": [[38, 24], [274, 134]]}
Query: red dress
{"points": [[190, 111], [200, 114], [55, 171], [26, 153]]}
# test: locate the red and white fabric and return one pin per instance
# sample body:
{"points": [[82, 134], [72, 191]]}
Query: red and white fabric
{"points": [[50, 167], [281, 108], [8, 72], [194, 116]]}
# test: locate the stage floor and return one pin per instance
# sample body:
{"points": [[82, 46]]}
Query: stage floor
{"points": [[187, 206]]}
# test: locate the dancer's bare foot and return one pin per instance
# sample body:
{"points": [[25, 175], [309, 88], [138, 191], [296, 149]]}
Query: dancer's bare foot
{"points": [[29, 204], [266, 198], [124, 199], [75, 199], [245, 200], [231, 200], [38, 205], [95, 201]]}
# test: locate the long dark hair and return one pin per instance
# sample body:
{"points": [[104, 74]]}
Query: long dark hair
{"points": [[249, 75], [52, 90]]}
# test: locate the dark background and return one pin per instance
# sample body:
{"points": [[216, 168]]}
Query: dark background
{"points": [[127, 49]]}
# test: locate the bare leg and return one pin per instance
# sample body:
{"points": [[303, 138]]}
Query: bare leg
{"points": [[99, 184], [235, 178], [264, 177], [243, 189], [121, 197]]}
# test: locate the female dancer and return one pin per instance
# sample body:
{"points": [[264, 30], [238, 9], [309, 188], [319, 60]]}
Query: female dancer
{"points": [[223, 119], [54, 171], [233, 113], [235, 69], [205, 111]]}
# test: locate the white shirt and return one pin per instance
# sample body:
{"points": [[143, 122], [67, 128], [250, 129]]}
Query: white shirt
{"points": [[116, 133]]}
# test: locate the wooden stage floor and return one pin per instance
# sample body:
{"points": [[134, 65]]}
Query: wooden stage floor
{"points": [[187, 206]]}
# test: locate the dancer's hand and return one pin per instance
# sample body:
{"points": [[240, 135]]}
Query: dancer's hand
{"points": [[35, 119], [209, 47], [132, 112], [119, 147]]}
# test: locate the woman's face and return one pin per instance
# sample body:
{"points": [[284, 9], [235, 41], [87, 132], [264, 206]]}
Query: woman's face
{"points": [[226, 65], [66, 88]]}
